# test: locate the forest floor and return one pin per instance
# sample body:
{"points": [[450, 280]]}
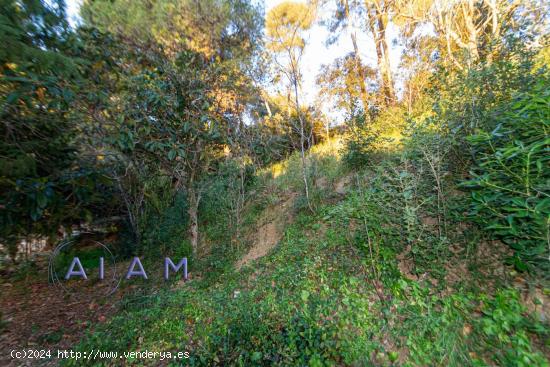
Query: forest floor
{"points": [[40, 315], [346, 285]]}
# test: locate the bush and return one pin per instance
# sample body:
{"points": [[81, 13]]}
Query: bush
{"points": [[161, 218], [362, 142], [510, 177]]}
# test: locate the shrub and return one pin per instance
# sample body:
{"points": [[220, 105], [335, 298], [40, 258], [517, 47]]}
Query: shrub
{"points": [[510, 177], [362, 141]]}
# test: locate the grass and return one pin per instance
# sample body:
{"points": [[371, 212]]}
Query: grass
{"points": [[332, 292]]}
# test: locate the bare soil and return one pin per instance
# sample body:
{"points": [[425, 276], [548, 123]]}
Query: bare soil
{"points": [[39, 315], [274, 219]]}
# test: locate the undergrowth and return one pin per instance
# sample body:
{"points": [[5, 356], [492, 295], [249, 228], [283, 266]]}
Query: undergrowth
{"points": [[335, 292]]}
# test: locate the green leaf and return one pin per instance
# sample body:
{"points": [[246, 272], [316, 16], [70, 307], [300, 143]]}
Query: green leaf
{"points": [[41, 200], [12, 97], [256, 356]]}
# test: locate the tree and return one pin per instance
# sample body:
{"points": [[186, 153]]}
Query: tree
{"points": [[184, 86], [228, 29], [285, 26], [378, 17], [341, 83], [45, 182], [346, 12], [374, 16], [167, 122], [470, 31]]}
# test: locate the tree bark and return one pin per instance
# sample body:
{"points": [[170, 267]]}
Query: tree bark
{"points": [[469, 15], [377, 25], [302, 141], [386, 67], [193, 198], [358, 65]]}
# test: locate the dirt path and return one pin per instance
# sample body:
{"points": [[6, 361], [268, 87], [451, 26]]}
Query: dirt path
{"points": [[275, 218]]}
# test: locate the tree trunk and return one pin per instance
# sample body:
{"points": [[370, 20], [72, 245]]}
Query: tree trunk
{"points": [[468, 15], [377, 26], [134, 206], [266, 103], [302, 140], [386, 67], [358, 65], [193, 199]]}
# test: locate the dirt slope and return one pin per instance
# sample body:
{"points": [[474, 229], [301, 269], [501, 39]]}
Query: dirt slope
{"points": [[273, 219]]}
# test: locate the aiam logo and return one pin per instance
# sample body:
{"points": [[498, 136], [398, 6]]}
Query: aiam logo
{"points": [[93, 257], [168, 264]]}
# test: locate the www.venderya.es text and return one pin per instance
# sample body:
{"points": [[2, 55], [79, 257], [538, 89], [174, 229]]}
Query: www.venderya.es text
{"points": [[95, 354]]}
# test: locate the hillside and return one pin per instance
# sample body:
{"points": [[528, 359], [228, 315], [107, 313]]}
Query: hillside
{"points": [[275, 183], [343, 286]]}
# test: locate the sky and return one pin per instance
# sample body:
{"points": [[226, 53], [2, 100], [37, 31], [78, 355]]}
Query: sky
{"points": [[73, 7], [316, 52]]}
